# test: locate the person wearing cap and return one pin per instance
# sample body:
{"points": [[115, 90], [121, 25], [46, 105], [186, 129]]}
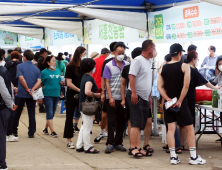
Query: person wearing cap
{"points": [[124, 84], [115, 112], [67, 56], [103, 123], [174, 81], [94, 55], [138, 96], [59, 64]]}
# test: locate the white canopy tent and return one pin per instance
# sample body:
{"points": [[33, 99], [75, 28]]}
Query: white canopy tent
{"points": [[30, 32], [215, 2], [64, 26], [129, 19]]}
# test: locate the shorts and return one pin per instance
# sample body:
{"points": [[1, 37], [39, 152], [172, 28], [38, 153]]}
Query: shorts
{"points": [[105, 105], [77, 113], [183, 117], [50, 106], [139, 113]]}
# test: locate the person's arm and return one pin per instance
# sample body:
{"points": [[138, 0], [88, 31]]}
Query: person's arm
{"points": [[160, 87], [108, 90], [150, 101], [71, 85], [103, 89], [186, 84], [134, 96], [212, 86], [204, 62], [5, 94], [123, 88], [37, 84], [24, 84], [88, 90]]}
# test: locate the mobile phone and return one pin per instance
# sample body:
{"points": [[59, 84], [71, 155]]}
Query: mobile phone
{"points": [[99, 91], [170, 103], [175, 109]]}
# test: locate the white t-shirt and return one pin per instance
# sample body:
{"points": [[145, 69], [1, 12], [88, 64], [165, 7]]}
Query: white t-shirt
{"points": [[110, 56], [141, 69]]}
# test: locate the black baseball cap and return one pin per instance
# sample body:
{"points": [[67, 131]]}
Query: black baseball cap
{"points": [[120, 44], [176, 48], [136, 52], [105, 50], [43, 50], [192, 48]]}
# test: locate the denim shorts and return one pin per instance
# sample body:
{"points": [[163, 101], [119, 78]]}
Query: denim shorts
{"points": [[50, 106], [77, 113]]}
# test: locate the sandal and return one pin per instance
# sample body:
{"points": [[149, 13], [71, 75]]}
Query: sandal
{"points": [[136, 155], [149, 150], [183, 148], [92, 152], [165, 147], [80, 150], [147, 153], [95, 122], [176, 150]]}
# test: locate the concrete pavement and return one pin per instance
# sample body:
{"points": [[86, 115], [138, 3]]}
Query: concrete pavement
{"points": [[44, 152]]}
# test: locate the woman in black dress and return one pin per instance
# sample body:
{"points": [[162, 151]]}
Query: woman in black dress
{"points": [[73, 78]]}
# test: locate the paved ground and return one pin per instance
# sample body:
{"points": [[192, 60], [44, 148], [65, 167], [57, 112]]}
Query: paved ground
{"points": [[44, 152]]}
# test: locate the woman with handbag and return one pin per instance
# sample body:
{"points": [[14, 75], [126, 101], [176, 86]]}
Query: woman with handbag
{"points": [[73, 78], [51, 82], [87, 105]]}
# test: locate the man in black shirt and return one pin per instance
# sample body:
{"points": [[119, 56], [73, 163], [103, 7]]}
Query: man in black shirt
{"points": [[43, 55], [174, 81]]}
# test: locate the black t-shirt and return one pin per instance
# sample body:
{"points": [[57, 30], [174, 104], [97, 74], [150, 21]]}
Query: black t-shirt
{"points": [[12, 68], [196, 80], [76, 79], [104, 64], [40, 63], [82, 96], [125, 74]]}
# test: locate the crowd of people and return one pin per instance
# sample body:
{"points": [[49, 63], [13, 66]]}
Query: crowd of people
{"points": [[123, 89]]}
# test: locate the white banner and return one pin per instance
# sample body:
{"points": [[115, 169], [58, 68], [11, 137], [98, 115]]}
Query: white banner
{"points": [[59, 38], [186, 23], [102, 32], [24, 41]]}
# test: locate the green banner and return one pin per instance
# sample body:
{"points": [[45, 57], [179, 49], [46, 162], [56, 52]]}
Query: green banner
{"points": [[159, 26]]}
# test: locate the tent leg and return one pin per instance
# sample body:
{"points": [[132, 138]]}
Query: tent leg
{"points": [[155, 116]]}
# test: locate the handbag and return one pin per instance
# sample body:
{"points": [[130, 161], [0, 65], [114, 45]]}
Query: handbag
{"points": [[90, 108]]}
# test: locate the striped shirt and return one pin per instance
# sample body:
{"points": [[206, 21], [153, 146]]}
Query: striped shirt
{"points": [[113, 73]]}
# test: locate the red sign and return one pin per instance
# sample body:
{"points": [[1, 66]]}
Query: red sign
{"points": [[191, 12]]}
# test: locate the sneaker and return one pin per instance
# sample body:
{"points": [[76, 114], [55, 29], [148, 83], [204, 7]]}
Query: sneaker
{"points": [[76, 129], [13, 138], [98, 138], [54, 135], [4, 167], [174, 161], [109, 149], [31, 136], [197, 161], [70, 145], [120, 148], [45, 131], [7, 138], [105, 133], [42, 109]]}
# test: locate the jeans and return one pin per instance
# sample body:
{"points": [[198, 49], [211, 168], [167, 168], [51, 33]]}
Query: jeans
{"points": [[84, 134], [31, 112], [77, 113], [177, 137], [50, 106], [4, 117]]}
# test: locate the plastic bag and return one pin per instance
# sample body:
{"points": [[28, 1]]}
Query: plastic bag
{"points": [[37, 94]]}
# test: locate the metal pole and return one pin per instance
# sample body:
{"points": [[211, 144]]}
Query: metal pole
{"points": [[155, 131]]}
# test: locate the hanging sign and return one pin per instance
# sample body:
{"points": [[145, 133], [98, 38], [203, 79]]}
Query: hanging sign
{"points": [[24, 41], [102, 32], [59, 38], [8, 38], [186, 23]]}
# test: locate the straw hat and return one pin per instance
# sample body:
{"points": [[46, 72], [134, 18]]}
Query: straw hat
{"points": [[94, 55]]}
